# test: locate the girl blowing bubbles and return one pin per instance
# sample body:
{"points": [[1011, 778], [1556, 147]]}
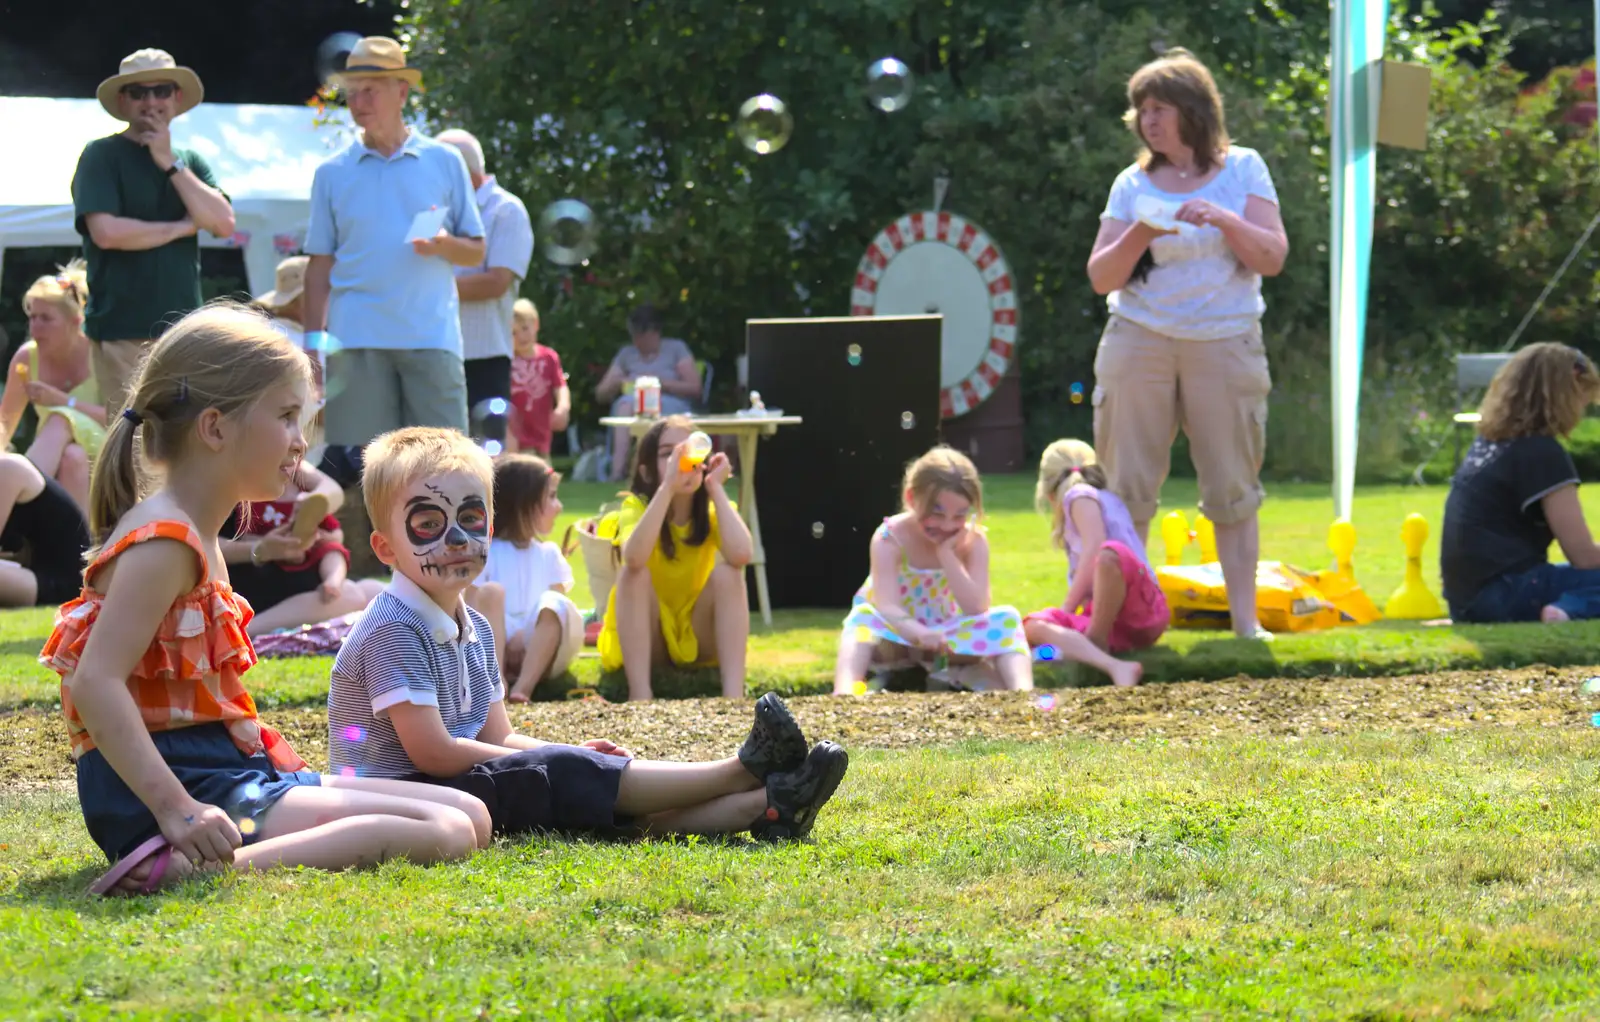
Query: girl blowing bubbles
{"points": [[524, 586], [175, 771], [1108, 572], [680, 593], [929, 589]]}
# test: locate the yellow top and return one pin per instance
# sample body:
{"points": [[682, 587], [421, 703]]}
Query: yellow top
{"points": [[88, 434], [678, 581]]}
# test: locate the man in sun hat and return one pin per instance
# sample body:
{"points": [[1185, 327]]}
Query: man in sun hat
{"points": [[139, 204], [381, 303]]}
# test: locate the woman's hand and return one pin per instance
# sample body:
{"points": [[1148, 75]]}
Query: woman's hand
{"points": [[203, 833], [279, 545], [718, 469], [45, 395], [608, 747], [1203, 213]]}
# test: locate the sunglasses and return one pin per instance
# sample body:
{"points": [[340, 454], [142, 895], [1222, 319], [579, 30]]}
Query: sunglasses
{"points": [[162, 90]]}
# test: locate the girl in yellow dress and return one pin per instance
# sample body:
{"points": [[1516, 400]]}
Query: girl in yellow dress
{"points": [[52, 372], [680, 594]]}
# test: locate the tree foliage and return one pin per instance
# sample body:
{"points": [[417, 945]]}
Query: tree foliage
{"points": [[630, 106]]}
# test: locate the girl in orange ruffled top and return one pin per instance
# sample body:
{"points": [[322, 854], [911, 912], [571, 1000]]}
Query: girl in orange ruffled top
{"points": [[175, 771]]}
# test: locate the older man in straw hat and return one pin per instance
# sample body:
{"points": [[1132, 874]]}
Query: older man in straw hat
{"points": [[392, 215], [139, 205]]}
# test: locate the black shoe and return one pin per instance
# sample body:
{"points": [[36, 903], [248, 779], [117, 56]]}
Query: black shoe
{"points": [[795, 798], [776, 744]]}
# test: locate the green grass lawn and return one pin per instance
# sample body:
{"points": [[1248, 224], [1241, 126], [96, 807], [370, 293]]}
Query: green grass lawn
{"points": [[1441, 866], [1376, 877], [796, 655]]}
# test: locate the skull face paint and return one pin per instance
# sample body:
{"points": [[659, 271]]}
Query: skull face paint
{"points": [[445, 524]]}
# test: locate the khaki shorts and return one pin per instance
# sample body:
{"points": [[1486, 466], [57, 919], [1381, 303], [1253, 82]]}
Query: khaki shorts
{"points": [[375, 390], [1147, 385], [115, 364]]}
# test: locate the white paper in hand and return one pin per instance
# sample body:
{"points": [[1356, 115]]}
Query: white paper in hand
{"points": [[1160, 214], [426, 224]]}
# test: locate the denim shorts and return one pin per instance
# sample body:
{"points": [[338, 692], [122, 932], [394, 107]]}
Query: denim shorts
{"points": [[208, 765], [1522, 595]]}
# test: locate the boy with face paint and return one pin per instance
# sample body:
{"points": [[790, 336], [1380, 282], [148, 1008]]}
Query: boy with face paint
{"points": [[417, 694]]}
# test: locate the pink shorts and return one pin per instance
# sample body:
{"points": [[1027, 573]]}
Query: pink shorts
{"points": [[1144, 614]]}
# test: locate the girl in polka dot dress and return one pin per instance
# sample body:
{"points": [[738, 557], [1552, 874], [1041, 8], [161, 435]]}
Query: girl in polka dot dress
{"points": [[926, 602]]}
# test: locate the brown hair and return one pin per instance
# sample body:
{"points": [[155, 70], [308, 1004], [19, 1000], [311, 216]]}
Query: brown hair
{"points": [[1543, 391], [222, 356], [942, 470], [397, 459], [1179, 79], [646, 482], [521, 482]]}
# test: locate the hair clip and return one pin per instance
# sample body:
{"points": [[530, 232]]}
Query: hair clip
{"points": [[183, 390], [132, 416]]}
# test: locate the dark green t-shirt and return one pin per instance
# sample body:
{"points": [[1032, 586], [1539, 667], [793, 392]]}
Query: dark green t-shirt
{"points": [[135, 295]]}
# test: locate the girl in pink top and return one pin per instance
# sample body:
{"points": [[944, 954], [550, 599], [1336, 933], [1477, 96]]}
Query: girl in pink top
{"points": [[1108, 574]]}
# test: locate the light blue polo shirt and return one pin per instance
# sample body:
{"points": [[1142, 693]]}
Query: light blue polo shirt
{"points": [[362, 205]]}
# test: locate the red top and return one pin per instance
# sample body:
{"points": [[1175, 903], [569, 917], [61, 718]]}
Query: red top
{"points": [[190, 673], [534, 382], [266, 515]]}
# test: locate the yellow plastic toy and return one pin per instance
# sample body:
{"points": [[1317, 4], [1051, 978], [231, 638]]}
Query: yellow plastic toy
{"points": [[1176, 535], [1339, 584], [1206, 534], [1414, 601]]}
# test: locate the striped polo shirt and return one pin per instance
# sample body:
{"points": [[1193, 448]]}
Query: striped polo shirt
{"points": [[405, 649]]}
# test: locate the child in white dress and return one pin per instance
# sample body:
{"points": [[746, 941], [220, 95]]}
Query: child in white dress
{"points": [[538, 630]]}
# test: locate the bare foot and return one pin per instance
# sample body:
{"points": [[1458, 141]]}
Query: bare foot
{"points": [[1553, 615], [178, 867], [1127, 673], [516, 697]]}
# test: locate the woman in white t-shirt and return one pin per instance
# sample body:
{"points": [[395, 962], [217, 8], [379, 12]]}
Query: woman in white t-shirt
{"points": [[523, 589], [1186, 236]]}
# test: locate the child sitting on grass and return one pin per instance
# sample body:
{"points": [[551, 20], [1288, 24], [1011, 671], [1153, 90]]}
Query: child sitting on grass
{"points": [[1108, 574], [175, 770], [417, 691], [927, 597], [523, 589]]}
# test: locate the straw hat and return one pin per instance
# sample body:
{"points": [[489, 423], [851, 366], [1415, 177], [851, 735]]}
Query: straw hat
{"points": [[289, 285], [151, 65], [378, 56]]}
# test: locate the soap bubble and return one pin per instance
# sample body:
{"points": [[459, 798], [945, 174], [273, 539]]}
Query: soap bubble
{"points": [[1077, 397], [332, 54], [353, 733], [764, 124], [487, 423], [853, 354], [907, 420], [247, 826], [1591, 686], [567, 232], [859, 688], [251, 791], [1077, 388], [889, 85], [347, 771], [1046, 653], [1045, 701], [817, 529]]}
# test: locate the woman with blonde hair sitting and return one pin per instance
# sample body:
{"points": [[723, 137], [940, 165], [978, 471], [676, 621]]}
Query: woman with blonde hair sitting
{"points": [[1516, 492], [52, 371]]}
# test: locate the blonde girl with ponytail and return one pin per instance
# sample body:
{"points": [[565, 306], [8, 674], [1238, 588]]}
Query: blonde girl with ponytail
{"points": [[1113, 603]]}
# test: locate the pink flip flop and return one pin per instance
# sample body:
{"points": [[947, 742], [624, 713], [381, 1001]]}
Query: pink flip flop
{"points": [[157, 846]]}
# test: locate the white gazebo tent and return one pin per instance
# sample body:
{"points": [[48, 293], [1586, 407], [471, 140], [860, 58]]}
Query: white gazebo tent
{"points": [[263, 157]]}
